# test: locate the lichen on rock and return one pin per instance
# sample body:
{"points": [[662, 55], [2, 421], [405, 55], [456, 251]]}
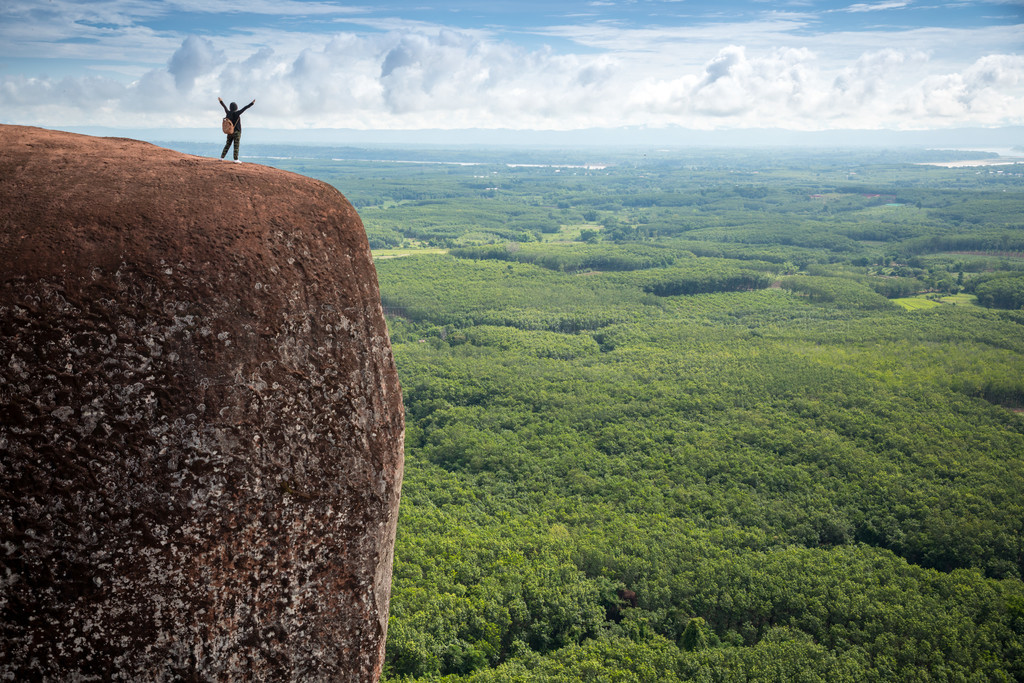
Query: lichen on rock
{"points": [[201, 427]]}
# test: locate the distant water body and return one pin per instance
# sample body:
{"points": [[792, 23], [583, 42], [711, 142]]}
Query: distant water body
{"points": [[1007, 157]]}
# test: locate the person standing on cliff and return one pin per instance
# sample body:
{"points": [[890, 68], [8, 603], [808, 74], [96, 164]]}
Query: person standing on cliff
{"points": [[235, 114]]}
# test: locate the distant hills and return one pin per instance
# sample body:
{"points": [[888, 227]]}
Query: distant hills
{"points": [[1003, 139]]}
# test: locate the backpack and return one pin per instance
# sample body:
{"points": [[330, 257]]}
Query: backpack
{"points": [[227, 125]]}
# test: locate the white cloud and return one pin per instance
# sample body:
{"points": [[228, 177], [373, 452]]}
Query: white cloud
{"points": [[986, 93], [876, 6], [195, 57], [427, 76], [269, 7]]}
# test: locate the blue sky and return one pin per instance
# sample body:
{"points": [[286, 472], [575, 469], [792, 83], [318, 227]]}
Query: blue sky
{"points": [[527, 64]]}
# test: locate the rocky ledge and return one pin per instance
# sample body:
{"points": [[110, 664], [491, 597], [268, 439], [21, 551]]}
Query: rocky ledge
{"points": [[201, 426]]}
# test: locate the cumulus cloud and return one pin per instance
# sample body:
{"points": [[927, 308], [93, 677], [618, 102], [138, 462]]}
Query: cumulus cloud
{"points": [[987, 93], [440, 78], [725, 88], [195, 57], [996, 71], [766, 88]]}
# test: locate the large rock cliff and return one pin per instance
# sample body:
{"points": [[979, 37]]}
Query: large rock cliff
{"points": [[201, 424]]}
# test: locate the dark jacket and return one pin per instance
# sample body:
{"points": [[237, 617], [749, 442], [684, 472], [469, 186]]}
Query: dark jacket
{"points": [[236, 115]]}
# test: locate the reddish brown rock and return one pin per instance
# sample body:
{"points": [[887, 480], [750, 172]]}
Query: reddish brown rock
{"points": [[200, 420]]}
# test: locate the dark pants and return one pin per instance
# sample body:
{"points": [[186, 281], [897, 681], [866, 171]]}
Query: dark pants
{"points": [[237, 137]]}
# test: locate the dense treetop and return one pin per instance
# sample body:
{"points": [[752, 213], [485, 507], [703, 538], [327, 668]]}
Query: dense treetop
{"points": [[729, 416]]}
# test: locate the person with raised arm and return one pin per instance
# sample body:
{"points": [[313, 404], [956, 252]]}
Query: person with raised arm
{"points": [[234, 114]]}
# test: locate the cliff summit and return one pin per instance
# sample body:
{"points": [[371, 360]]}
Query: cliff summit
{"points": [[201, 426]]}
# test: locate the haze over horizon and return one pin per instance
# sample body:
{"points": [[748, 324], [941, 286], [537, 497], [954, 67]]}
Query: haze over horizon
{"points": [[805, 65]]}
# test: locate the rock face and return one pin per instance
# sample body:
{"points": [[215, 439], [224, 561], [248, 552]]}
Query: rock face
{"points": [[201, 426]]}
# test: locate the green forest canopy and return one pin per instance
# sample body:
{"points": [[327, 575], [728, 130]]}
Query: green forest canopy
{"points": [[668, 420]]}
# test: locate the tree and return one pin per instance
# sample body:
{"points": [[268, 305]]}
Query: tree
{"points": [[695, 635]]}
